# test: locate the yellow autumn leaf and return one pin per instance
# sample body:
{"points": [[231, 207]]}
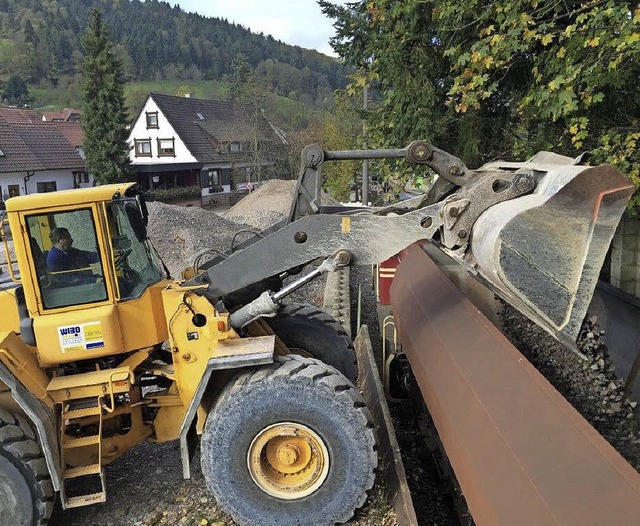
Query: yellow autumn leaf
{"points": [[546, 40], [529, 34], [573, 129], [488, 61], [594, 42], [561, 52], [475, 56], [534, 3], [568, 30], [496, 39], [487, 30]]}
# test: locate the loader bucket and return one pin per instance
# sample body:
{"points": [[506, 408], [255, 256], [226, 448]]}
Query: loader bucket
{"points": [[543, 252]]}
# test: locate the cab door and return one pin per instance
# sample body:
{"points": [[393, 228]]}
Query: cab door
{"points": [[75, 314]]}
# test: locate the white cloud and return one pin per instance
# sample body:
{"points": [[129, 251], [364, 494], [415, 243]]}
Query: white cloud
{"points": [[297, 22]]}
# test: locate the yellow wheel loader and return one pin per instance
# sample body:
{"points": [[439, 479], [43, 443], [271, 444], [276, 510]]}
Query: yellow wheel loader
{"points": [[100, 349]]}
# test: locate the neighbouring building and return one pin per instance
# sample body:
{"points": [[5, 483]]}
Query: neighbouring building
{"points": [[18, 115], [66, 115], [35, 157], [219, 146]]}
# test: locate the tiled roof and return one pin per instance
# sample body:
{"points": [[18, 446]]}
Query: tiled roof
{"points": [[72, 131], [14, 115], [35, 147], [59, 116], [204, 124], [17, 157]]}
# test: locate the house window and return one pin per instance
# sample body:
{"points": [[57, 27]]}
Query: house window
{"points": [[234, 147], [152, 120], [46, 186], [14, 190], [213, 178], [213, 181], [143, 147], [166, 148]]}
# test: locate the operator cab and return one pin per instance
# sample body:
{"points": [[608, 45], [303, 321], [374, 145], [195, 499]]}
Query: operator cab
{"points": [[88, 273]]}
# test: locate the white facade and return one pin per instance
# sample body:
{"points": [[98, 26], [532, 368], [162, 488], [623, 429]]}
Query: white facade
{"points": [[63, 179], [140, 131]]}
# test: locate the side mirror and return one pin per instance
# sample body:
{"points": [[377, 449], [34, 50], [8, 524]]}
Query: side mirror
{"points": [[137, 220]]}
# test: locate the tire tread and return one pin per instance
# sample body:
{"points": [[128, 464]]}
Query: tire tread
{"points": [[17, 440]]}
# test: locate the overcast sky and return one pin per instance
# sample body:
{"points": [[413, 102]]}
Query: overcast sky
{"points": [[298, 22]]}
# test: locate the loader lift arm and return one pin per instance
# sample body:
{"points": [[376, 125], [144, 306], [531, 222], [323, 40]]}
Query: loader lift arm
{"points": [[536, 232]]}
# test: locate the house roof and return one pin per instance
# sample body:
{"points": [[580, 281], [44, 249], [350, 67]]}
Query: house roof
{"points": [[35, 147], [14, 115], [204, 124], [59, 116], [72, 131]]}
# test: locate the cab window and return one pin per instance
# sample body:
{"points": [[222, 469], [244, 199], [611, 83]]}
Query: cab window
{"points": [[66, 255], [137, 264]]}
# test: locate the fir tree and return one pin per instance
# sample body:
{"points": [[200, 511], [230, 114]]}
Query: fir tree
{"points": [[104, 116]]}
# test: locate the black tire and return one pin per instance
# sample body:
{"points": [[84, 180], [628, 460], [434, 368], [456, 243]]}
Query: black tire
{"points": [[312, 395], [302, 326], [26, 492]]}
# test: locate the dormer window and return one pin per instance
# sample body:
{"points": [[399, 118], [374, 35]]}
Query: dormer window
{"points": [[152, 120]]}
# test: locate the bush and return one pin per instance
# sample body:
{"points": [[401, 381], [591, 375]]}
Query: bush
{"points": [[167, 195]]}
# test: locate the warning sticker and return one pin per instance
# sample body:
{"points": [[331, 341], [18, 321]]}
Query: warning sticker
{"points": [[81, 337]]}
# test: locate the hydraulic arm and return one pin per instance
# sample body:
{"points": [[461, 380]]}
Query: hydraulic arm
{"points": [[536, 232]]}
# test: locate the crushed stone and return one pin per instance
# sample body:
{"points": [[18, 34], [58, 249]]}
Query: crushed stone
{"points": [[591, 386], [268, 204]]}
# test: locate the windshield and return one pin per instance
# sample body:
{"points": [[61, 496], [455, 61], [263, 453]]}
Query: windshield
{"points": [[137, 263]]}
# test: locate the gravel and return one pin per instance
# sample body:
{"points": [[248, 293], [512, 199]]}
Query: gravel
{"points": [[181, 233], [591, 385]]}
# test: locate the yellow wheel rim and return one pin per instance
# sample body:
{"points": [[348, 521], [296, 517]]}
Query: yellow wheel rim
{"points": [[288, 460]]}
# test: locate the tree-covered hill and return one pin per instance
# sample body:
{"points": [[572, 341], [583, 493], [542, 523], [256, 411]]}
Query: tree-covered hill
{"points": [[40, 41]]}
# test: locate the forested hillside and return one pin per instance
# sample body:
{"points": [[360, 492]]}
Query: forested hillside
{"points": [[40, 41]]}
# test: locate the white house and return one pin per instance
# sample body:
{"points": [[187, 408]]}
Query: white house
{"points": [[37, 158], [219, 146]]}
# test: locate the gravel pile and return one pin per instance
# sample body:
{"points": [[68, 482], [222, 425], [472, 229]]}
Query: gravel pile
{"points": [[268, 204], [591, 386], [180, 233]]}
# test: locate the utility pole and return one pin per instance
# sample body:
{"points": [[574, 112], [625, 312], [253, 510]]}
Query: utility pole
{"points": [[365, 163]]}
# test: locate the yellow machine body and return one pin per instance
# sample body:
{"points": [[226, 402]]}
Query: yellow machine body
{"points": [[81, 340]]}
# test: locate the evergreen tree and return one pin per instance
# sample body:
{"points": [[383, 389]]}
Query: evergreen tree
{"points": [[16, 91], [104, 116]]}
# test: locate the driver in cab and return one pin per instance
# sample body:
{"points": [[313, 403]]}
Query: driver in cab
{"points": [[69, 265]]}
